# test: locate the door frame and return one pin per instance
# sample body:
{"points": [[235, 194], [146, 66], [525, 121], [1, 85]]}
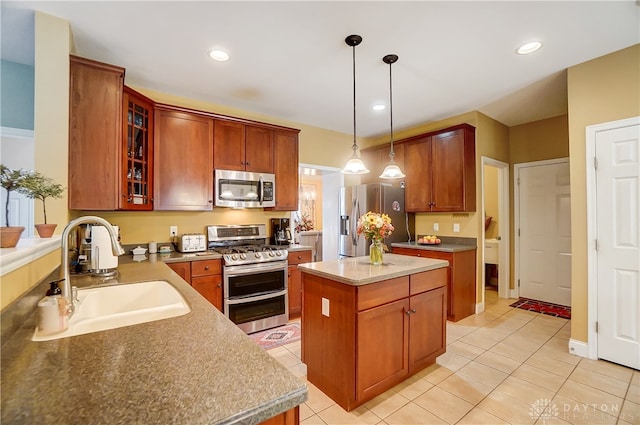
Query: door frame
{"points": [[515, 292], [590, 349], [503, 227]]}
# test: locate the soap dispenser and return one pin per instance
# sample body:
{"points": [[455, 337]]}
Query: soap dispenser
{"points": [[54, 289]]}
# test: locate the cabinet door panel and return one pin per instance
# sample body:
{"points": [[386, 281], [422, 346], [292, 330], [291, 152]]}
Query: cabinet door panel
{"points": [[229, 145], [209, 287], [382, 348], [258, 149], [427, 327], [206, 267], [448, 171], [285, 167], [417, 162], [183, 269], [95, 134], [184, 161]]}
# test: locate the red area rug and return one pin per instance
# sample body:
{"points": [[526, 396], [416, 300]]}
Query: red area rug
{"points": [[543, 307], [272, 338]]}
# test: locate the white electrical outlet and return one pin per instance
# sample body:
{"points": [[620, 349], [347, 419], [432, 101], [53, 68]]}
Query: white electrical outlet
{"points": [[456, 227], [436, 227], [325, 307], [173, 230]]}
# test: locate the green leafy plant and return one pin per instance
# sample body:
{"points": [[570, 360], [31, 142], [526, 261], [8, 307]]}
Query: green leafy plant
{"points": [[10, 180], [36, 186]]}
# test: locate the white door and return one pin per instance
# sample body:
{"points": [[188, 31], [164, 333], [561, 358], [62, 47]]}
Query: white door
{"points": [[545, 232], [618, 252]]}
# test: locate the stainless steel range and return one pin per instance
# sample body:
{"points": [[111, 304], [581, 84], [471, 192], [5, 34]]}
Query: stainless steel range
{"points": [[254, 276]]}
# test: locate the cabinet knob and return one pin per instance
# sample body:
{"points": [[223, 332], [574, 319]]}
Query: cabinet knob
{"points": [[419, 255], [206, 267], [211, 201], [219, 285], [299, 257]]}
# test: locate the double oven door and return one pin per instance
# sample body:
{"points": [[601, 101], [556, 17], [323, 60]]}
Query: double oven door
{"points": [[255, 295]]}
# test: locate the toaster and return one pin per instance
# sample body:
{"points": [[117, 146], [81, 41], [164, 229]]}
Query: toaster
{"points": [[192, 242]]}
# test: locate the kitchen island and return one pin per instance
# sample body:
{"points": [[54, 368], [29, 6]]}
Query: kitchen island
{"points": [[367, 328], [198, 369]]}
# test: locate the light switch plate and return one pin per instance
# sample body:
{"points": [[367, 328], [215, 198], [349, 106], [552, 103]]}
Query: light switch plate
{"points": [[456, 227], [436, 227], [325, 307]]}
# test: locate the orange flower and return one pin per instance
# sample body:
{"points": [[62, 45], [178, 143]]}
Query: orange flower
{"points": [[375, 226]]}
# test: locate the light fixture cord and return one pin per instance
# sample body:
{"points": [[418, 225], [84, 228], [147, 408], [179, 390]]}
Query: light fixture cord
{"points": [[355, 145], [391, 153]]}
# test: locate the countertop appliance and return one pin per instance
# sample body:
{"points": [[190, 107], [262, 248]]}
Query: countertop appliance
{"points": [[254, 274], [280, 232], [192, 242], [240, 189], [376, 197]]}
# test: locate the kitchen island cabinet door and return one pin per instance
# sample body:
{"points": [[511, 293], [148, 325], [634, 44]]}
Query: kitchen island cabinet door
{"points": [[285, 167], [427, 329], [95, 134], [183, 161], [382, 348]]}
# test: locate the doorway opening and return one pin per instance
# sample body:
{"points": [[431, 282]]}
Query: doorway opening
{"points": [[494, 238]]}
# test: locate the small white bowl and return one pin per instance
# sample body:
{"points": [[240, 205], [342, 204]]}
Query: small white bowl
{"points": [[139, 250]]}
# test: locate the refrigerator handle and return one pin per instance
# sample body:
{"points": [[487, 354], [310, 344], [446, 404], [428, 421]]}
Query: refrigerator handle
{"points": [[354, 223]]}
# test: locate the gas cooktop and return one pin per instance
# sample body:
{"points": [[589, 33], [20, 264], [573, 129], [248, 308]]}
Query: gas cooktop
{"points": [[243, 244]]}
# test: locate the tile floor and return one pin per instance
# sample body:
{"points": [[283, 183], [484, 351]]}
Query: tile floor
{"points": [[503, 366]]}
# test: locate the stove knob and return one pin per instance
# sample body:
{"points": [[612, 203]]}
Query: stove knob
{"points": [[279, 253], [243, 256], [271, 254], [234, 257], [257, 255]]}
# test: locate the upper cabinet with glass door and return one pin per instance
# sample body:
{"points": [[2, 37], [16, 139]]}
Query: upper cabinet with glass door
{"points": [[137, 182]]}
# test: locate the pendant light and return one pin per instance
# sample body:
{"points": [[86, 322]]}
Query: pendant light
{"points": [[392, 170], [354, 165]]}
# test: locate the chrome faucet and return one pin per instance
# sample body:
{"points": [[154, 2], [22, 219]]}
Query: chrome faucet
{"points": [[64, 266]]}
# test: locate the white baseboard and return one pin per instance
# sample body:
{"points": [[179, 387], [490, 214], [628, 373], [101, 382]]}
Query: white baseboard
{"points": [[513, 293], [579, 348], [479, 307]]}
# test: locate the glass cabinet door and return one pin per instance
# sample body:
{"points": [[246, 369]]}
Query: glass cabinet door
{"points": [[137, 193]]}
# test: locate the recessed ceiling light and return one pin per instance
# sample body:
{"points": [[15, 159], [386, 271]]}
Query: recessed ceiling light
{"points": [[219, 55], [529, 47], [378, 107]]}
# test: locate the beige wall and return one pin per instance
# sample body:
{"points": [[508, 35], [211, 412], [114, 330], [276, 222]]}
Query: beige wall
{"points": [[601, 90]]}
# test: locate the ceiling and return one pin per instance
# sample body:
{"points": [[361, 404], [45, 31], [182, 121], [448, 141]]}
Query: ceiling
{"points": [[289, 59]]}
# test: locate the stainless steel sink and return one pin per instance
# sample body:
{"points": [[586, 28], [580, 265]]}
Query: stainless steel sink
{"points": [[116, 306]]}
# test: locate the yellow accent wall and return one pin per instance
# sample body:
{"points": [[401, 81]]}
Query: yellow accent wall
{"points": [[19, 281], [601, 90], [491, 200]]}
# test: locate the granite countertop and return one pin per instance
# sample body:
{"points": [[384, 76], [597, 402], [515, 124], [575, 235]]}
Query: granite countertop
{"points": [[198, 369], [443, 247], [359, 271]]}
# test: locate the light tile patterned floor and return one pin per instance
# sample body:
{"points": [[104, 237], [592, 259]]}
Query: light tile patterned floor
{"points": [[504, 366]]}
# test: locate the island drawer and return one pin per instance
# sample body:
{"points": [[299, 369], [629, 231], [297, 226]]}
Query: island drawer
{"points": [[299, 257], [426, 281], [376, 294], [206, 267]]}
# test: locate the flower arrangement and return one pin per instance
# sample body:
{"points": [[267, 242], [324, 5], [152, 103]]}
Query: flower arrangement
{"points": [[304, 223], [375, 226]]}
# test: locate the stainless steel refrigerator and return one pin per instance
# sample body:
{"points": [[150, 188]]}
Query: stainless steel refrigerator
{"points": [[376, 197]]}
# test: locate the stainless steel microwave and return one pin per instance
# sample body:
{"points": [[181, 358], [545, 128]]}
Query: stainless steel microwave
{"points": [[240, 189]]}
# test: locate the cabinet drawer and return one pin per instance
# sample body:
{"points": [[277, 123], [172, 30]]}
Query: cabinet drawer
{"points": [[206, 267], [299, 257], [379, 293], [426, 281]]}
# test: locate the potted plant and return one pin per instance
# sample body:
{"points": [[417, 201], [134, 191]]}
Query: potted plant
{"points": [[10, 180], [36, 186]]}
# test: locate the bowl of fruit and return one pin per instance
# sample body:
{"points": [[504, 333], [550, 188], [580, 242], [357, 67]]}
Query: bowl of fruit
{"points": [[429, 240]]}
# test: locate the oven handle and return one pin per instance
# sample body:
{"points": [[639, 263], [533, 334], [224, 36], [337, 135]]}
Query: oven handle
{"points": [[244, 270], [257, 298]]}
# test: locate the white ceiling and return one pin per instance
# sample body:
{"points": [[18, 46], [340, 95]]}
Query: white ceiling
{"points": [[289, 59]]}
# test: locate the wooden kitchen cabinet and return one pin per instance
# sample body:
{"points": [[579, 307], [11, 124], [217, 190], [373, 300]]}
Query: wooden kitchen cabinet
{"points": [[205, 276], [377, 158], [294, 279], [183, 155], [241, 147], [461, 282], [441, 171], [375, 335], [285, 167], [95, 134]]}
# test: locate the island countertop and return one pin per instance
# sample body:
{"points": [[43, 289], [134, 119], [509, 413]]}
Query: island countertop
{"points": [[359, 271], [198, 369]]}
